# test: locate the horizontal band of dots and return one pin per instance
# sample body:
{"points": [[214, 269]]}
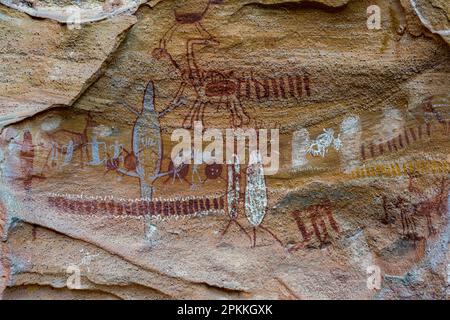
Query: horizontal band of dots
{"points": [[398, 169]]}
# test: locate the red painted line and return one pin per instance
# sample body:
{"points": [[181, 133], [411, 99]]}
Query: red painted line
{"points": [[178, 209], [275, 87], [171, 208], [248, 89], [301, 226], [266, 88], [152, 208], [413, 133], [196, 206], [291, 86], [394, 145], [406, 137], [306, 80], [380, 148], [400, 140], [389, 146], [299, 84], [134, 209], [191, 206], [158, 207], [258, 93], [239, 90], [282, 88], [165, 208]]}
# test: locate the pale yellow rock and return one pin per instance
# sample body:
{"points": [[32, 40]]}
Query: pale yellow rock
{"points": [[75, 12], [44, 64]]}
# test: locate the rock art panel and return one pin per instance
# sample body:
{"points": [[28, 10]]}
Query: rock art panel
{"points": [[225, 149]]}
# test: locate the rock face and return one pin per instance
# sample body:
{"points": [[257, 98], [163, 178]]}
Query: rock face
{"points": [[45, 64], [349, 200], [74, 12]]}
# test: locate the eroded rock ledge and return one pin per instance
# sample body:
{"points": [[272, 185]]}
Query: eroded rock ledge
{"points": [[45, 64]]}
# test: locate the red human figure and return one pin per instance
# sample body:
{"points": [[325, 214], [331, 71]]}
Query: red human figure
{"points": [[318, 216], [27, 154]]}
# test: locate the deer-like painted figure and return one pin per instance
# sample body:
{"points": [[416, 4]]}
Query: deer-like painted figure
{"points": [[188, 18], [77, 141], [411, 211], [436, 205]]}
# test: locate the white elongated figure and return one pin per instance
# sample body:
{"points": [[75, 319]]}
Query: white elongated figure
{"points": [[147, 150], [350, 136], [256, 202], [391, 124], [300, 143], [233, 187], [233, 194], [255, 191], [146, 142]]}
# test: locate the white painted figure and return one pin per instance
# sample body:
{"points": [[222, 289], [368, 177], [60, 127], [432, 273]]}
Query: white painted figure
{"points": [[300, 142], [351, 143], [319, 147]]}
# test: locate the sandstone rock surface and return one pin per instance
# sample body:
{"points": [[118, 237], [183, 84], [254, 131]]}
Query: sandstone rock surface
{"points": [[45, 64], [92, 207]]}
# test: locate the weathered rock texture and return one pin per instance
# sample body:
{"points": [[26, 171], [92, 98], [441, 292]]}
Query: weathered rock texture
{"points": [[88, 188], [44, 64]]}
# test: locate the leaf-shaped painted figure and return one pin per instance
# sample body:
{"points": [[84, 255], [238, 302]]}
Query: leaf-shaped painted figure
{"points": [[256, 202], [233, 194], [147, 147], [255, 191], [144, 162]]}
